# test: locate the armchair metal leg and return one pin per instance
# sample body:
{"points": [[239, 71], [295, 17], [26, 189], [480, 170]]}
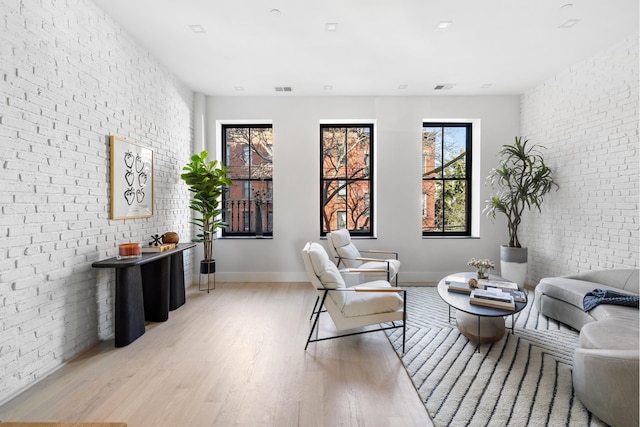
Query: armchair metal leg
{"points": [[315, 322], [404, 317], [314, 307]]}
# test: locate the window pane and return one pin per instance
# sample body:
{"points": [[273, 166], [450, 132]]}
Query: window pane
{"points": [[454, 150], [432, 152], [334, 157], [358, 206], [261, 153], [358, 142], [432, 195], [332, 205], [237, 152], [455, 206]]}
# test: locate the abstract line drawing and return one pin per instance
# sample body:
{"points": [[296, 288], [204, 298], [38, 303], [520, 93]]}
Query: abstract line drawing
{"points": [[131, 180]]}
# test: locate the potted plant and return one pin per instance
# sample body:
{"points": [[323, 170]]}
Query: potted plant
{"points": [[207, 181], [521, 180]]}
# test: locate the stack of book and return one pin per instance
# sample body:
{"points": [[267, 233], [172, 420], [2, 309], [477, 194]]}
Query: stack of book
{"points": [[494, 298], [459, 287], [518, 296], [160, 248], [501, 284]]}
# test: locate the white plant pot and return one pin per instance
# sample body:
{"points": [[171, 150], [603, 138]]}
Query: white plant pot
{"points": [[513, 264]]}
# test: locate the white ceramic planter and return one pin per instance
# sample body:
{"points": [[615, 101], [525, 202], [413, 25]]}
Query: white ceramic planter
{"points": [[513, 264]]}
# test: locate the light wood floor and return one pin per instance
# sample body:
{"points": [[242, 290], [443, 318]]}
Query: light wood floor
{"points": [[234, 357]]}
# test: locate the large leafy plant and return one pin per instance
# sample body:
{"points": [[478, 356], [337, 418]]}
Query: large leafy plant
{"points": [[521, 180], [207, 181]]}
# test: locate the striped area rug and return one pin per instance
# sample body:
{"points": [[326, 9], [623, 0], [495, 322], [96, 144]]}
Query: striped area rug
{"points": [[522, 380]]}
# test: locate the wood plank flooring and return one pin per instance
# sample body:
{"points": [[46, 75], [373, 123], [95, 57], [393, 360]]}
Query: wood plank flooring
{"points": [[233, 357]]}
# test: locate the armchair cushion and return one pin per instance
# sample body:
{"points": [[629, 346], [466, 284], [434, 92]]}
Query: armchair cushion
{"points": [[341, 241], [368, 303], [327, 273]]}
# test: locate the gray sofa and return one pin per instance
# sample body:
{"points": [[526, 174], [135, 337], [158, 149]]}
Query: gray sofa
{"points": [[606, 363]]}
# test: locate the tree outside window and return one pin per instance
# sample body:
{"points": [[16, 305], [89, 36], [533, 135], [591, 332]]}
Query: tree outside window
{"points": [[347, 179], [446, 179], [248, 204]]}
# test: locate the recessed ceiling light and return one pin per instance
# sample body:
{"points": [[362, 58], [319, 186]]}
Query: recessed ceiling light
{"points": [[485, 86], [331, 26], [238, 88], [198, 29], [402, 86], [328, 87], [566, 6], [443, 25], [444, 86], [570, 23], [275, 12]]}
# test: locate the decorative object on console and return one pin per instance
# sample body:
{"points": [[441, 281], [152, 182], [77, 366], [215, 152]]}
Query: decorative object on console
{"points": [[170, 237], [521, 180], [129, 250], [155, 240], [131, 180], [483, 266]]}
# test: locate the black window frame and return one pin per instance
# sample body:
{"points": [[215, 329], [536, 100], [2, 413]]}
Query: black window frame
{"points": [[244, 216], [370, 178], [468, 178]]}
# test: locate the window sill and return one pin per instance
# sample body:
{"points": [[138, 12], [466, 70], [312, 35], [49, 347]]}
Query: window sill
{"points": [[245, 238], [450, 237]]}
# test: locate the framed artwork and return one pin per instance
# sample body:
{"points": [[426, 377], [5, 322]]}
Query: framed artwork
{"points": [[131, 180]]}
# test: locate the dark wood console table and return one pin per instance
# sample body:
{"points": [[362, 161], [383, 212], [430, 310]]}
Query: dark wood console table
{"points": [[147, 288]]}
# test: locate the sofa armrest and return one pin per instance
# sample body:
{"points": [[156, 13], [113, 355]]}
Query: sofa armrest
{"points": [[606, 382]]}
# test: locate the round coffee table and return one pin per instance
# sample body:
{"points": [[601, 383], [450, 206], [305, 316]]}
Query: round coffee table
{"points": [[479, 324]]}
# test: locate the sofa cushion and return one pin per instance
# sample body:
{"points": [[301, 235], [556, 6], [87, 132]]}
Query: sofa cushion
{"points": [[368, 303], [611, 334], [618, 312]]}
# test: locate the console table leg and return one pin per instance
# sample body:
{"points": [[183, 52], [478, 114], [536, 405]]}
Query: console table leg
{"points": [[177, 295], [155, 287], [129, 315]]}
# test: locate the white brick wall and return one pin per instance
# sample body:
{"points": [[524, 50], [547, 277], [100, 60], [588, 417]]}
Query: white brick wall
{"points": [[69, 77], [587, 117]]}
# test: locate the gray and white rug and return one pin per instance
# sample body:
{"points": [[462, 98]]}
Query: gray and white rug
{"points": [[522, 380]]}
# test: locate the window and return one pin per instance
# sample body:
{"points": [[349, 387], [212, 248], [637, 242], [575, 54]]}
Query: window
{"points": [[248, 206], [446, 179], [346, 182]]}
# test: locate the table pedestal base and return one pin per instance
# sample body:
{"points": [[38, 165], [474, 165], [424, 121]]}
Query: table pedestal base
{"points": [[480, 329]]}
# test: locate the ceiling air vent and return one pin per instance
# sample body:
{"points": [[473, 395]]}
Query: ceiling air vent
{"points": [[283, 89]]}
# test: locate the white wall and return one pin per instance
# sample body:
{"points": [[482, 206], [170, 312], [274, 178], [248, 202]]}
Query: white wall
{"points": [[69, 77], [587, 117], [296, 180]]}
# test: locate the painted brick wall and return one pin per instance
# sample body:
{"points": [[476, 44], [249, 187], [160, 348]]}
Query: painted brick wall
{"points": [[69, 77], [587, 117]]}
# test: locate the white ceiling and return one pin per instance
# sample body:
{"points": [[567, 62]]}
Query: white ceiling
{"points": [[379, 45]]}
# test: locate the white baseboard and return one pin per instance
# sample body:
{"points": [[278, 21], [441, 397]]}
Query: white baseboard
{"points": [[302, 276]]}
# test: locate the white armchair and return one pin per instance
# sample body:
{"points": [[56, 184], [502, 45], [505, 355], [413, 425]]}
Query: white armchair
{"points": [[372, 303], [347, 254]]}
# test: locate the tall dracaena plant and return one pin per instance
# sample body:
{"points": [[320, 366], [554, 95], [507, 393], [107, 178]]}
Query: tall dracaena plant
{"points": [[206, 180], [521, 180]]}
